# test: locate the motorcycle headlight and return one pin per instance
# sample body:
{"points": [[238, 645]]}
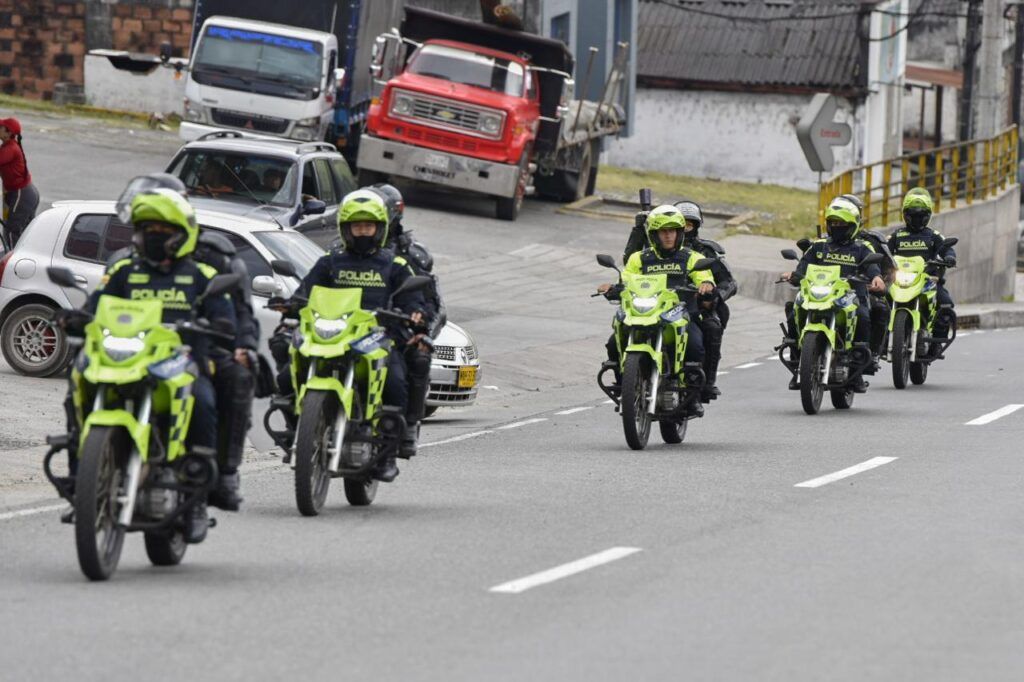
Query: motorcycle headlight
{"points": [[644, 304], [401, 105], [906, 279], [120, 348], [821, 291], [490, 124], [328, 329]]}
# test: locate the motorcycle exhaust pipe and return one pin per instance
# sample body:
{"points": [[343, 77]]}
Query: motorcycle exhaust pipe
{"points": [[339, 426], [134, 468]]}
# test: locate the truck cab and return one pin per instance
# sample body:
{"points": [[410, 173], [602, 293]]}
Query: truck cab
{"points": [[262, 78]]}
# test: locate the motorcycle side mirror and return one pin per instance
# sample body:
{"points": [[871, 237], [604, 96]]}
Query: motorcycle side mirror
{"points": [[221, 284], [872, 259], [414, 283], [284, 268], [62, 277], [313, 207], [703, 264], [264, 285], [950, 241], [790, 254], [607, 261], [804, 244]]}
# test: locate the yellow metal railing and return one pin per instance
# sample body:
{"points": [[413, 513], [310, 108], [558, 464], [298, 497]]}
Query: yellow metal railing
{"points": [[955, 175]]}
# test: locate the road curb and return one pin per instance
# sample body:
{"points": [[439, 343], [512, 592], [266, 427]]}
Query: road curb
{"points": [[996, 317]]}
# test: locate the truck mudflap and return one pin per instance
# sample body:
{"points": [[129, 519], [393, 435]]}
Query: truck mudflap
{"points": [[440, 168]]}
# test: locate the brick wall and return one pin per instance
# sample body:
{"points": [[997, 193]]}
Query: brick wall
{"points": [[43, 42]]}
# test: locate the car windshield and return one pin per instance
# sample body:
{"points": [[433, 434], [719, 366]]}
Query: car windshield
{"points": [[293, 247], [237, 177], [469, 68], [249, 57]]}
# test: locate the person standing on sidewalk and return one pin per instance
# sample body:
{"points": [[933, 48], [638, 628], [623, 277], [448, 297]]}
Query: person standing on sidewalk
{"points": [[21, 199]]}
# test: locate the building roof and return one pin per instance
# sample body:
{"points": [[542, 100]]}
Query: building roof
{"points": [[770, 45]]}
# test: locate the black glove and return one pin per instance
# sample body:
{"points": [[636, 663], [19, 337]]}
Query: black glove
{"points": [[640, 219], [950, 261], [72, 321]]}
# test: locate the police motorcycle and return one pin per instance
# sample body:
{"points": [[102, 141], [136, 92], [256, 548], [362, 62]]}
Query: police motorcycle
{"points": [[651, 333], [825, 356], [132, 392], [915, 310], [339, 363]]}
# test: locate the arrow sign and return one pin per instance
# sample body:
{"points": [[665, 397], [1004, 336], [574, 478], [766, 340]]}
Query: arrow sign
{"points": [[818, 133]]}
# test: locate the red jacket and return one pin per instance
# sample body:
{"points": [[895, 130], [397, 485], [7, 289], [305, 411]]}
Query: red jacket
{"points": [[13, 171]]}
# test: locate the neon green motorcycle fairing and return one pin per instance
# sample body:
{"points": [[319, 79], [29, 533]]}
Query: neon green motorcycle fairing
{"points": [[914, 291], [647, 301], [333, 326], [823, 290], [126, 344]]}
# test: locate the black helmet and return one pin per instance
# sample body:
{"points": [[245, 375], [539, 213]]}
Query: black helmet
{"points": [[392, 199], [692, 214]]}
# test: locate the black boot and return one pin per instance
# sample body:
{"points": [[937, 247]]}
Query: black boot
{"points": [[226, 496], [386, 470], [409, 442], [196, 524], [859, 385], [794, 385]]}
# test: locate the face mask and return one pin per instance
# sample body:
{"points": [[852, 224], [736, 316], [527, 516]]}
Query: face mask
{"points": [[841, 233], [917, 220]]}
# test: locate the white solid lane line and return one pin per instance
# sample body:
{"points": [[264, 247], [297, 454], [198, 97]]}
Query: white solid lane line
{"points": [[7, 516], [608, 402], [516, 425], [748, 365], [455, 439], [992, 416], [565, 570], [850, 471], [574, 410]]}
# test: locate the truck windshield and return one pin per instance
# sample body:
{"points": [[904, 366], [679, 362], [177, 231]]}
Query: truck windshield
{"points": [[237, 177], [246, 60], [469, 68], [293, 247]]}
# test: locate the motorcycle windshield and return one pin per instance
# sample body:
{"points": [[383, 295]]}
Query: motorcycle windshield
{"points": [[128, 318], [914, 264], [332, 304], [644, 286]]}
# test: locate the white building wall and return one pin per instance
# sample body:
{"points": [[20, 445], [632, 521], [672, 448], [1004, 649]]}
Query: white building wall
{"points": [[158, 91], [732, 136]]}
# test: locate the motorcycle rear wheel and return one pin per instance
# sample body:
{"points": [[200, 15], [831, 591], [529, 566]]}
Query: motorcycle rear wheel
{"points": [[166, 549], [360, 493], [919, 370], [673, 432], [313, 438], [842, 399], [102, 471], [812, 362], [636, 422], [902, 329]]}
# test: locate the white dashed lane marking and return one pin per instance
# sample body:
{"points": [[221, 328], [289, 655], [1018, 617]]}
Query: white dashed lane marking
{"points": [[845, 473], [992, 416], [565, 570]]}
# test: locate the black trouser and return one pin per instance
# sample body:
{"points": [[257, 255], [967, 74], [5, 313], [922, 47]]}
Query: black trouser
{"points": [[879, 322], [941, 327], [21, 209], [418, 365], [713, 324], [234, 386]]}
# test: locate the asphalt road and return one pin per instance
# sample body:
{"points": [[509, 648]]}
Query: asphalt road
{"points": [[526, 541], [906, 571]]}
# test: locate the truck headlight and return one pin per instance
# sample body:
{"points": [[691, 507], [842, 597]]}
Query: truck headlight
{"points": [[401, 105], [120, 348], [328, 329], [193, 112], [490, 124]]}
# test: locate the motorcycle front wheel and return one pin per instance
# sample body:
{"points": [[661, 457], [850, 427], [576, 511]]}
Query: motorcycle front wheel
{"points": [[636, 422], [812, 366], [312, 458], [102, 471]]}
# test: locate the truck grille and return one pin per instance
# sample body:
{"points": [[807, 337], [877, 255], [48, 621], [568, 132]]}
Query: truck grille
{"points": [[446, 113], [238, 119]]}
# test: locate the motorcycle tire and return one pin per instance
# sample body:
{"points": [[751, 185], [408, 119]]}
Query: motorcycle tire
{"points": [[842, 399], [312, 440], [360, 493], [636, 422], [902, 328], [166, 548], [102, 470], [919, 370], [812, 360], [673, 432]]}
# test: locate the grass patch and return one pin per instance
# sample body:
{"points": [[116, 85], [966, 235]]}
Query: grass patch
{"points": [[773, 210], [126, 118]]}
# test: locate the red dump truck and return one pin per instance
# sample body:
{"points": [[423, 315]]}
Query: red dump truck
{"points": [[484, 109]]}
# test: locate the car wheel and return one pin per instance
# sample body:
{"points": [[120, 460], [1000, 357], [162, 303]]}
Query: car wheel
{"points": [[30, 345]]}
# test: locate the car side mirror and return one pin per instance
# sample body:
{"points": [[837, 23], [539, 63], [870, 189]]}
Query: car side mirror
{"points": [[790, 254], [284, 268], [703, 264], [804, 244], [62, 277], [265, 285], [607, 261], [313, 207]]}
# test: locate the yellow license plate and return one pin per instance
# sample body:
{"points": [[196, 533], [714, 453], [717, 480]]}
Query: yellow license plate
{"points": [[467, 377]]}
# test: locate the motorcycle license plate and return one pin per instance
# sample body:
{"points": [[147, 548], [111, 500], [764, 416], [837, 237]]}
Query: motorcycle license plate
{"points": [[437, 161], [467, 377]]}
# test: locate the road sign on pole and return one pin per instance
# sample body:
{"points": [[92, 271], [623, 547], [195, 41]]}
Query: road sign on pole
{"points": [[818, 133]]}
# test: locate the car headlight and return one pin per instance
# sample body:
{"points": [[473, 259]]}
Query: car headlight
{"points": [[120, 348], [644, 304], [490, 124], [821, 291], [328, 329], [905, 279], [401, 105]]}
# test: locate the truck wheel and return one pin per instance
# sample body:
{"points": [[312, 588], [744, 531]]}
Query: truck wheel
{"points": [[508, 207]]}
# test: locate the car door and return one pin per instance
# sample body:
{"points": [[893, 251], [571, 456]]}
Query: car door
{"points": [[328, 192], [257, 265]]}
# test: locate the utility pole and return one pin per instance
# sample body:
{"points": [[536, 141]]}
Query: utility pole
{"points": [[991, 79], [1018, 59], [971, 44]]}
